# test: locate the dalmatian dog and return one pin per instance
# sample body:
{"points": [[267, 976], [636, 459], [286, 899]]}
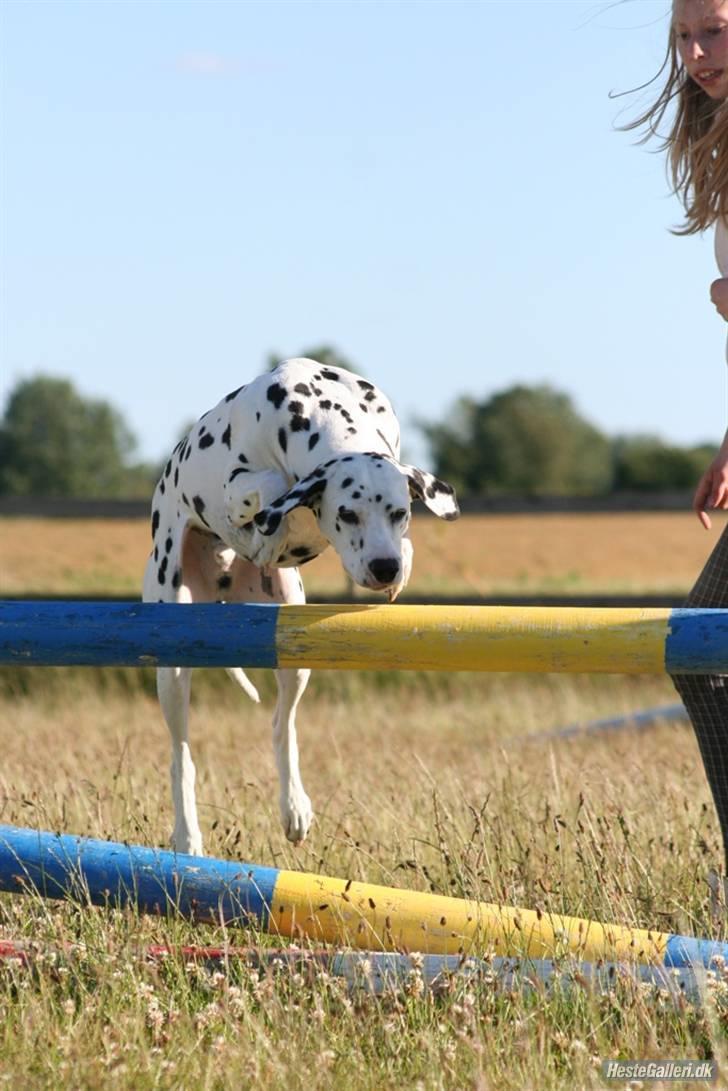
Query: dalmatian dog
{"points": [[303, 457]]}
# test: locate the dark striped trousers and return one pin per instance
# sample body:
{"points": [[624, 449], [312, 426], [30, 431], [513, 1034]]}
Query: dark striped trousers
{"points": [[705, 696]]}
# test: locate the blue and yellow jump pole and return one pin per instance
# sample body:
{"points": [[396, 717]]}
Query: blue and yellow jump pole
{"points": [[452, 638], [321, 909]]}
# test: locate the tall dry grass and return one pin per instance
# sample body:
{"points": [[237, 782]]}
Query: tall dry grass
{"points": [[418, 781]]}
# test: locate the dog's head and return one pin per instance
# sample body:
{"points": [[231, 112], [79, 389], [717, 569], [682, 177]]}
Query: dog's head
{"points": [[362, 506]]}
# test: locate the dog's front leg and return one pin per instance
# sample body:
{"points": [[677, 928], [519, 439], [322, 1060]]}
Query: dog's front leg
{"points": [[296, 811], [173, 687]]}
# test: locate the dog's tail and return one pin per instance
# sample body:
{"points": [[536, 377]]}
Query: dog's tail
{"points": [[244, 682]]}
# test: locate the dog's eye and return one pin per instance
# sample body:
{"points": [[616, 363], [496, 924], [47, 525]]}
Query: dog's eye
{"points": [[347, 516], [398, 515]]}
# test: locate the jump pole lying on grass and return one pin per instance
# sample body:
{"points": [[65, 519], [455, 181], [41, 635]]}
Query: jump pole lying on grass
{"points": [[452, 638], [299, 905], [379, 972]]}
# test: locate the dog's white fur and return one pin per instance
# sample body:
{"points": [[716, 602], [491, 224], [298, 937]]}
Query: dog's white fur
{"points": [[303, 457]]}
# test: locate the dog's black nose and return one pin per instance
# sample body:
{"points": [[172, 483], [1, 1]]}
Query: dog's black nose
{"points": [[384, 569]]}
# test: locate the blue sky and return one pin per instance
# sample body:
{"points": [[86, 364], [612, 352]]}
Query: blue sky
{"points": [[436, 189]]}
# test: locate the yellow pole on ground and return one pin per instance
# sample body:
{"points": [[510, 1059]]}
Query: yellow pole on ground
{"points": [[381, 918]]}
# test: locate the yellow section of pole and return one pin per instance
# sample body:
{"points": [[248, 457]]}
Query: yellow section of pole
{"points": [[473, 638], [379, 918]]}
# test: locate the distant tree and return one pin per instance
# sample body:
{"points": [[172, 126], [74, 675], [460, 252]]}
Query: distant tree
{"points": [[54, 442], [648, 464], [526, 440], [323, 354]]}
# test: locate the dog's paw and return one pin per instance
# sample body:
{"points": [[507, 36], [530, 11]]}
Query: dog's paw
{"points": [[297, 816], [188, 844]]}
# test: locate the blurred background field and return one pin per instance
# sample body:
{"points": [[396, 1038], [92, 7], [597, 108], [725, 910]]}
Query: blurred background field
{"points": [[479, 555]]}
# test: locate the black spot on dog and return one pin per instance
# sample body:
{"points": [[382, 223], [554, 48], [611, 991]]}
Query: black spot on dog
{"points": [[381, 409], [226, 436], [296, 408], [156, 553], [325, 404], [155, 522], [300, 424], [364, 384], [168, 545], [199, 506], [313, 440], [276, 394], [268, 524], [283, 439], [364, 408], [224, 581], [257, 415], [233, 394], [176, 578], [315, 490], [168, 468], [370, 397], [242, 458], [188, 452], [302, 388], [346, 482], [162, 488], [206, 441], [351, 431], [185, 501], [162, 573], [356, 494], [176, 477], [330, 375], [236, 471]]}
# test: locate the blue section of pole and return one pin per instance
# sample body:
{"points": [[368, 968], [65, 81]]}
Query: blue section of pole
{"points": [[156, 881], [88, 634], [697, 642], [686, 951]]}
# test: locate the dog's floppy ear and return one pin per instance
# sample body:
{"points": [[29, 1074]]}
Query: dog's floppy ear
{"points": [[304, 494], [436, 494]]}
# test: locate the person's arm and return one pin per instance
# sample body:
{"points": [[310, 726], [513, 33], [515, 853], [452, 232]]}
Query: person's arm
{"points": [[712, 490]]}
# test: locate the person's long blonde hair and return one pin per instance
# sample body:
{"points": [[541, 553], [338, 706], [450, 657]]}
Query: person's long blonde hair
{"points": [[697, 143]]}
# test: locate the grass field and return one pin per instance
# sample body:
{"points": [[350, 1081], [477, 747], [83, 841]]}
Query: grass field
{"points": [[477, 555], [418, 781], [423, 781]]}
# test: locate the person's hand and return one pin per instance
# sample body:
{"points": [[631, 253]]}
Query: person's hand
{"points": [[719, 296], [712, 490]]}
